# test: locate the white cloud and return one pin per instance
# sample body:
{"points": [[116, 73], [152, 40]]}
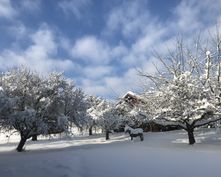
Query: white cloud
{"points": [[75, 7], [97, 90], [133, 20], [112, 85], [128, 81], [92, 50], [186, 16], [44, 44], [105, 67], [31, 5], [9, 59], [147, 41], [94, 87], [17, 30], [39, 55], [115, 79], [65, 43], [97, 72], [119, 51], [6, 9], [130, 18]]}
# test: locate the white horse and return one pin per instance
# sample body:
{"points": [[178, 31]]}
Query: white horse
{"points": [[134, 132]]}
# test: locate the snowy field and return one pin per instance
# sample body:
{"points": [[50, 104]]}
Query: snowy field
{"points": [[160, 155]]}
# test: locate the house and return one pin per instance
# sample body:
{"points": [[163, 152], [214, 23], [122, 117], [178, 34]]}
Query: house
{"points": [[131, 100]]}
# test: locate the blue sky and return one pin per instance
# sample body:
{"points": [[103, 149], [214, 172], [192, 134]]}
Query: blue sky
{"points": [[100, 44]]}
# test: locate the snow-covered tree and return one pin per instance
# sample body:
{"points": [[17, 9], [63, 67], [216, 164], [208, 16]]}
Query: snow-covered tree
{"points": [[67, 104], [108, 117], [6, 109], [187, 90], [54, 104], [102, 114], [92, 112], [24, 88], [75, 105], [33, 105], [185, 103], [131, 109]]}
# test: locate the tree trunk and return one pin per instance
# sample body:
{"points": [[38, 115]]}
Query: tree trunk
{"points": [[34, 138], [191, 136], [21, 144], [90, 130], [81, 129], [107, 134]]}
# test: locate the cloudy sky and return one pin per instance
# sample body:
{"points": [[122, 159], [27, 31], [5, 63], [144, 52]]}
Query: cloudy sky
{"points": [[100, 44]]}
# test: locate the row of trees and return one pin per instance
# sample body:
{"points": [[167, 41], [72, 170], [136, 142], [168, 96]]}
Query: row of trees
{"points": [[34, 105], [186, 93]]}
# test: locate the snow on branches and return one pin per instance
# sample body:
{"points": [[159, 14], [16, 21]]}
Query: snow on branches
{"points": [[132, 109], [188, 94], [33, 105]]}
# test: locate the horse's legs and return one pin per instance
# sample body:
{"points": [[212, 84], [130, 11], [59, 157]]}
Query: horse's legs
{"points": [[141, 137]]}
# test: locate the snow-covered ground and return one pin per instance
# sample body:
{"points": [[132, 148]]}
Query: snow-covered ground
{"points": [[163, 154]]}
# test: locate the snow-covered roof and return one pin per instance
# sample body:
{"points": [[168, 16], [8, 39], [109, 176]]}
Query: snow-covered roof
{"points": [[129, 93], [128, 98]]}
